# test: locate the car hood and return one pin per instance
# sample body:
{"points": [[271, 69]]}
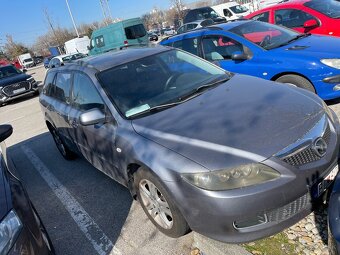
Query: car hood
{"points": [[244, 120], [14, 79], [316, 46]]}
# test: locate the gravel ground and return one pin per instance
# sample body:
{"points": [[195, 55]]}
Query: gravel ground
{"points": [[310, 234]]}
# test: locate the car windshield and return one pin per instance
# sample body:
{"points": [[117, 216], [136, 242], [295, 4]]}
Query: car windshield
{"points": [[330, 8], [207, 13], [7, 71], [164, 79], [28, 60], [73, 57], [266, 35], [239, 9]]}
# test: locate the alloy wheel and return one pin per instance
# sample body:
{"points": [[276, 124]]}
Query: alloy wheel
{"points": [[156, 204]]}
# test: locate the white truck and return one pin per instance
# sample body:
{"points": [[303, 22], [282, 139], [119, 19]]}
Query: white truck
{"points": [[77, 45], [231, 10], [26, 60]]}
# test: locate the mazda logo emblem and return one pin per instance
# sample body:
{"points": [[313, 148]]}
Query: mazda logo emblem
{"points": [[320, 147]]}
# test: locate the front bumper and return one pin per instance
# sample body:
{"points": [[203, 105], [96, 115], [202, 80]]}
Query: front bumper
{"points": [[229, 216], [5, 98], [328, 87]]}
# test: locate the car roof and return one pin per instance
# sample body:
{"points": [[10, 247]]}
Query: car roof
{"points": [[119, 57], [222, 26], [282, 4]]}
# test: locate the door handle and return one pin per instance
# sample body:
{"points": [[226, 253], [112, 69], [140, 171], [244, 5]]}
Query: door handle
{"points": [[74, 124]]}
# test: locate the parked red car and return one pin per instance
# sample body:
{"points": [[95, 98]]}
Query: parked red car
{"points": [[305, 16]]}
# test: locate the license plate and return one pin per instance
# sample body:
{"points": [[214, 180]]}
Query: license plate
{"points": [[326, 182], [19, 90]]}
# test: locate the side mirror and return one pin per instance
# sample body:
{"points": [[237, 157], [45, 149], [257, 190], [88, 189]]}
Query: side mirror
{"points": [[5, 132], [91, 117], [312, 23], [238, 55], [24, 70]]}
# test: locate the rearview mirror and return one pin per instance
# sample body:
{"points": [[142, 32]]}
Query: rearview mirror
{"points": [[5, 132], [91, 117], [311, 23], [238, 55]]}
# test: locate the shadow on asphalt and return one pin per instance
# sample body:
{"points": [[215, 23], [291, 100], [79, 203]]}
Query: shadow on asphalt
{"points": [[106, 201]]}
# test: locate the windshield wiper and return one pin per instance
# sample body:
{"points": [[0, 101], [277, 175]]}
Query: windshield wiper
{"points": [[186, 97], [293, 39], [200, 89]]}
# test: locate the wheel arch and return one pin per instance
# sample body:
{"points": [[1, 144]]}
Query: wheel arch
{"points": [[276, 76]]}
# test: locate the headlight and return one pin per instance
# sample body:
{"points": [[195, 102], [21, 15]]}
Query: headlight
{"points": [[234, 178], [331, 62], [31, 80], [328, 111], [10, 228]]}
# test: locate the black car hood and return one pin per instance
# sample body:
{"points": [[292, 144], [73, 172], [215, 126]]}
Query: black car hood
{"points": [[244, 120], [14, 79]]}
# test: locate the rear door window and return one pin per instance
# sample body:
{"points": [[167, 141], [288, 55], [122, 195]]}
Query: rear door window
{"points": [[48, 83], [62, 87], [134, 32]]}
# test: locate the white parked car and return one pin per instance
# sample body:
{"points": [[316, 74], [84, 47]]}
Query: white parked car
{"points": [[169, 31], [194, 25], [62, 59], [231, 10]]}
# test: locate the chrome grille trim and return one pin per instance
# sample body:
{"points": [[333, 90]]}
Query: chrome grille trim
{"points": [[9, 90], [289, 210], [301, 152]]}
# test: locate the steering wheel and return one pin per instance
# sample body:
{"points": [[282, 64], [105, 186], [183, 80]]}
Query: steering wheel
{"points": [[266, 40], [171, 80]]}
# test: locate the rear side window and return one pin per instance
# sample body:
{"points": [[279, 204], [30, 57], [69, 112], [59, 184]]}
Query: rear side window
{"points": [[134, 32], [48, 83], [99, 40], [189, 45], [62, 87], [262, 17], [85, 95]]}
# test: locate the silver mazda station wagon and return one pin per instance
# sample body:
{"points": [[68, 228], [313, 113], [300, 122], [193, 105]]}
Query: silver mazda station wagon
{"points": [[233, 157]]}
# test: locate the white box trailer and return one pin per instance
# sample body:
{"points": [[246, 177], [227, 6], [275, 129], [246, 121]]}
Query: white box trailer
{"points": [[77, 45], [26, 60]]}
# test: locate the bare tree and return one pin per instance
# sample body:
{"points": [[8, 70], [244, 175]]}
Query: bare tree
{"points": [[179, 6], [13, 49]]}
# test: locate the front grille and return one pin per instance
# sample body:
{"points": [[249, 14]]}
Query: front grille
{"points": [[307, 155], [16, 88], [287, 211]]}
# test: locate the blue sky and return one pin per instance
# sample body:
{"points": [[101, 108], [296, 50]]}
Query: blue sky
{"points": [[24, 19]]}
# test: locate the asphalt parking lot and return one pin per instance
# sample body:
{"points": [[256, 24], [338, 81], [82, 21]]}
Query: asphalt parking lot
{"points": [[84, 211]]}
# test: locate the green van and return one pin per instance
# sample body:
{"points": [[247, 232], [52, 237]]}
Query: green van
{"points": [[119, 34]]}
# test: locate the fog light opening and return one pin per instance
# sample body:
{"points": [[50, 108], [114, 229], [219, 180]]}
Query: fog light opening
{"points": [[252, 222], [336, 87]]}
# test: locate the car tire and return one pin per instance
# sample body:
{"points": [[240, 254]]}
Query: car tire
{"points": [[62, 148], [158, 205], [297, 80]]}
